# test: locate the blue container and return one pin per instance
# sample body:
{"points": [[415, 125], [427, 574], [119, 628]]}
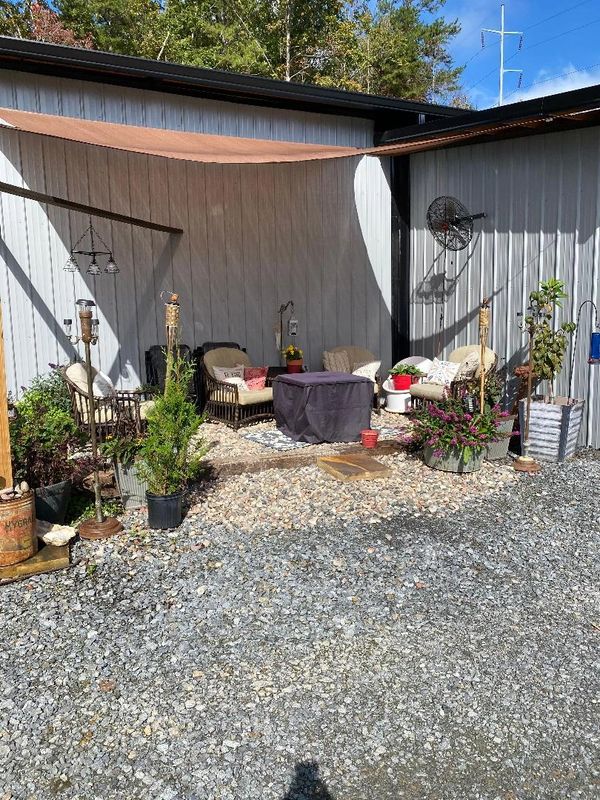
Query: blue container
{"points": [[595, 348]]}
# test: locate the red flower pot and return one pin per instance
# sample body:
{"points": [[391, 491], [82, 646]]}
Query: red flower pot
{"points": [[295, 366], [402, 382], [369, 438]]}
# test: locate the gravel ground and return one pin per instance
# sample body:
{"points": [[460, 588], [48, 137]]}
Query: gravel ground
{"points": [[444, 654]]}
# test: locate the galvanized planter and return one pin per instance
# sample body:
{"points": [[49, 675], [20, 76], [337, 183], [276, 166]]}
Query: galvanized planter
{"points": [[453, 460], [131, 488], [553, 428], [497, 450]]}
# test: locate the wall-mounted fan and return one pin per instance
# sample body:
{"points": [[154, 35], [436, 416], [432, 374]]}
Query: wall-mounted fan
{"points": [[450, 222]]}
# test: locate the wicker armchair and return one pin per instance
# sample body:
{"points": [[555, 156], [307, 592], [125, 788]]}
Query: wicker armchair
{"points": [[226, 402], [437, 391], [119, 409], [357, 356]]}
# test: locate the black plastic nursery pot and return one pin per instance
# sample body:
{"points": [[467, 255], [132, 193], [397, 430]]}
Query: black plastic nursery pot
{"points": [[52, 502], [164, 511]]}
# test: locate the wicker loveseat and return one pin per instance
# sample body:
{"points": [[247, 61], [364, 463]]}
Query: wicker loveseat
{"points": [[226, 402], [437, 391], [355, 358], [117, 409]]}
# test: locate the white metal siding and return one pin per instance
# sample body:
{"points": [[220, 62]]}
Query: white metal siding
{"points": [[542, 198], [254, 235]]}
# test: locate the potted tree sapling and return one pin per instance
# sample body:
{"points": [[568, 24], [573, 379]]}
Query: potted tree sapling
{"points": [[170, 455], [554, 421], [43, 438], [404, 375]]}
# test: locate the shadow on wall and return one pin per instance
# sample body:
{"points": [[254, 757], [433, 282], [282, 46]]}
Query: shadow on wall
{"points": [[306, 784], [254, 237]]}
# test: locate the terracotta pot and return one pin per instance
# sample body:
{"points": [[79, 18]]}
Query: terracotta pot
{"points": [[402, 382], [369, 438], [295, 366]]}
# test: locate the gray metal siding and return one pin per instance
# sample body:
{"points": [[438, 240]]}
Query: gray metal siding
{"points": [[255, 236], [542, 197]]}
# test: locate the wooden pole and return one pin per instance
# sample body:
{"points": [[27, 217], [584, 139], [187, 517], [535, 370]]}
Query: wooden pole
{"points": [[484, 326], [6, 478]]}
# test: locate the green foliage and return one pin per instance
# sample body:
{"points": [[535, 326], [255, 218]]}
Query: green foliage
{"points": [[406, 369], [44, 433], [549, 344], [168, 456], [391, 47], [124, 448], [82, 506]]}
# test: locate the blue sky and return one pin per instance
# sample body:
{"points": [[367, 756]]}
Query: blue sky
{"points": [[561, 47]]}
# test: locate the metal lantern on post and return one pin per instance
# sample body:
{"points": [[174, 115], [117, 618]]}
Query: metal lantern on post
{"points": [[100, 527]]}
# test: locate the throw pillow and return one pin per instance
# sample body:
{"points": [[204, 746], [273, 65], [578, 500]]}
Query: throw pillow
{"points": [[102, 386], [368, 370], [442, 372], [255, 384], [336, 361], [224, 374], [255, 372], [468, 367]]}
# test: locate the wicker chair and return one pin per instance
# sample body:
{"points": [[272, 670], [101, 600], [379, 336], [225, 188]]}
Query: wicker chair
{"points": [[437, 391], [225, 402], [357, 356], [117, 410]]}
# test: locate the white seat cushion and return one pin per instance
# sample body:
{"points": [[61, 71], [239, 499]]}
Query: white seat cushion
{"points": [[257, 396]]}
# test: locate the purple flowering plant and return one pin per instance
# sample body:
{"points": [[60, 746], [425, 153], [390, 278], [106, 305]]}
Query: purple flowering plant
{"points": [[446, 426]]}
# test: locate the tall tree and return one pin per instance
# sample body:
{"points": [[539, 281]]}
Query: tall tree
{"points": [[37, 21]]}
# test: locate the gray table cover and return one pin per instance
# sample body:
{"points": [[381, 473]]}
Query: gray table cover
{"points": [[322, 406]]}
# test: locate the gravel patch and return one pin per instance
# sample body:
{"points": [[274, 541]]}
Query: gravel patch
{"points": [[447, 653]]}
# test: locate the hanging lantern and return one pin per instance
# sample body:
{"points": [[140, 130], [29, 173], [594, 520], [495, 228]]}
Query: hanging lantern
{"points": [[595, 348], [71, 265], [111, 267], [94, 267]]}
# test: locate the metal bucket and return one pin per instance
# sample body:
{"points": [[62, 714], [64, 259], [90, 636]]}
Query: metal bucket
{"points": [[18, 541]]}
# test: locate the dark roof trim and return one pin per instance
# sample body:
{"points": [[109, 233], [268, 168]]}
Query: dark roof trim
{"points": [[94, 65], [543, 108]]}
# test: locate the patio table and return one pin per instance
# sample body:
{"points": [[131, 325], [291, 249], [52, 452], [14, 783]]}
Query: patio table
{"points": [[319, 407]]}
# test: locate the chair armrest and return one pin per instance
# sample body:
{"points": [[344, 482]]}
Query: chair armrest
{"points": [[221, 386]]}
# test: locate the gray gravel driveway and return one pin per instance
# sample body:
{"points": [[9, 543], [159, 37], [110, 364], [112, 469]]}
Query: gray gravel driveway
{"points": [[422, 657]]}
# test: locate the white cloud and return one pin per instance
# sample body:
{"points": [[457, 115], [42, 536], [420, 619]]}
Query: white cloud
{"points": [[545, 85]]}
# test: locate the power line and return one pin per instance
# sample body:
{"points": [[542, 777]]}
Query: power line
{"points": [[553, 77], [502, 33], [558, 14]]}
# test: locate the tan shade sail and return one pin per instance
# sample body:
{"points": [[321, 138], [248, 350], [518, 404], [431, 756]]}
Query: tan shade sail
{"points": [[181, 145]]}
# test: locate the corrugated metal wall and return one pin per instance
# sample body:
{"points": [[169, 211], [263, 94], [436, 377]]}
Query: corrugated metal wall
{"points": [[255, 236], [542, 198]]}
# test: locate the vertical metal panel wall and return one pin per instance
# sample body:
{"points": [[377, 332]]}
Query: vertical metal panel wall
{"points": [[255, 236], [542, 198]]}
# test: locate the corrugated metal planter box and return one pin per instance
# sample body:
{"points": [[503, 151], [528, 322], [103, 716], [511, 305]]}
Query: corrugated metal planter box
{"points": [[131, 488], [553, 428]]}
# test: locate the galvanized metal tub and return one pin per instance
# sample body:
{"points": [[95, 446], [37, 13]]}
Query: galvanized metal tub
{"points": [[453, 460], [131, 488], [553, 428], [18, 541]]}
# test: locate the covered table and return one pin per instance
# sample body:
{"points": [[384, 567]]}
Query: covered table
{"points": [[322, 406]]}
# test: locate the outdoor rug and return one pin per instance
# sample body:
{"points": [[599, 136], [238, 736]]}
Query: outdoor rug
{"points": [[388, 433], [276, 440]]}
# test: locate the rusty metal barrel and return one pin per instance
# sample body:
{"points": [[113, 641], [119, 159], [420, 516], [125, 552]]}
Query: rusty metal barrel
{"points": [[18, 541]]}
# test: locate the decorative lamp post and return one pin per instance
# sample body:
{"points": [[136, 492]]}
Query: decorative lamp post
{"points": [[100, 527], [292, 325], [525, 463]]}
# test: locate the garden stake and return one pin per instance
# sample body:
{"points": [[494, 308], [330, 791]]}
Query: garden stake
{"points": [[484, 326], [525, 463]]}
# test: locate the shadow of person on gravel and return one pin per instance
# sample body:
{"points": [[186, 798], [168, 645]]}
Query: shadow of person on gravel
{"points": [[307, 785]]}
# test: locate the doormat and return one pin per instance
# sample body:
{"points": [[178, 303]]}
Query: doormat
{"points": [[275, 440]]}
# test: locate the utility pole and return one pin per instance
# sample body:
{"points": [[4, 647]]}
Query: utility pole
{"points": [[502, 33]]}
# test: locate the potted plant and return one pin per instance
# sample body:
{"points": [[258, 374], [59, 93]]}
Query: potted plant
{"points": [[404, 375], [168, 456], [124, 452], [554, 421], [454, 440], [43, 437], [493, 391], [294, 358]]}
